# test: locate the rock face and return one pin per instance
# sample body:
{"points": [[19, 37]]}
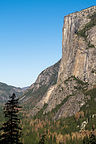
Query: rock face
{"points": [[79, 46], [73, 105], [47, 77], [77, 71]]}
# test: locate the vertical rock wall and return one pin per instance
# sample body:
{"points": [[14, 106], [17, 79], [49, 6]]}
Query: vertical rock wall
{"points": [[77, 58]]}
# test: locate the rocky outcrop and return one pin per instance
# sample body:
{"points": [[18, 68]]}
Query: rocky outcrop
{"points": [[47, 77], [37, 91], [71, 106]]}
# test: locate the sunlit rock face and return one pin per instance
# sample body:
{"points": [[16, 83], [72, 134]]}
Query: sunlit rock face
{"points": [[79, 52]]}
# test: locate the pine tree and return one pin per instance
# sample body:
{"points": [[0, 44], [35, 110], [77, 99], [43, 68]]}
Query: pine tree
{"points": [[90, 140], [42, 140], [54, 139], [11, 131], [86, 140]]}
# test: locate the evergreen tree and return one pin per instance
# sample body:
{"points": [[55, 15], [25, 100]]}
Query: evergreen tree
{"points": [[54, 139], [50, 139], [11, 131], [86, 140], [42, 140], [90, 140]]}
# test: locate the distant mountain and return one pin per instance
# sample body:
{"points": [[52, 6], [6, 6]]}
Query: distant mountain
{"points": [[7, 90]]}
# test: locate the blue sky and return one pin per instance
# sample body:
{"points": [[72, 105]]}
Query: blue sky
{"points": [[31, 36]]}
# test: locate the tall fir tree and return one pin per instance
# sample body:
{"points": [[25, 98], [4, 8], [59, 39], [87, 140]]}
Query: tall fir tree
{"points": [[11, 131], [42, 140], [90, 140]]}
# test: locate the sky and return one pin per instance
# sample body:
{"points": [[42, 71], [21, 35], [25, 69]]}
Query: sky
{"points": [[31, 36]]}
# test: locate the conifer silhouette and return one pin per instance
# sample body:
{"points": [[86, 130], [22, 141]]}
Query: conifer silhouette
{"points": [[11, 131], [42, 140], [90, 140]]}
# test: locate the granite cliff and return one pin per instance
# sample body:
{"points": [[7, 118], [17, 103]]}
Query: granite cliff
{"points": [[77, 72], [79, 46]]}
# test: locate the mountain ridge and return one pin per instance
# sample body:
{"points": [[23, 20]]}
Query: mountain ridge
{"points": [[37, 90], [7, 90]]}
